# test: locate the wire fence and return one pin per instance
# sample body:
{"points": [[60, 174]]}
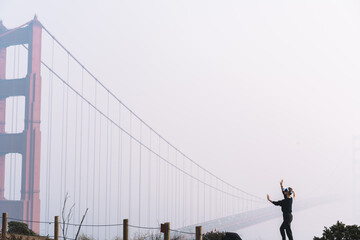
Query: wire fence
{"points": [[182, 232], [174, 232], [63, 225]]}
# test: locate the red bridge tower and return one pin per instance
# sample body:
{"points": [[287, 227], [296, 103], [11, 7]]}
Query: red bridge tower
{"points": [[28, 142]]}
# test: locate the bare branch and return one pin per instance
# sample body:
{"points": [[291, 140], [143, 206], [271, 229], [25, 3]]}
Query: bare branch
{"points": [[82, 220], [64, 225]]}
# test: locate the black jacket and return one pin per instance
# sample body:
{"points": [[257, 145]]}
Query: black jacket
{"points": [[286, 204]]}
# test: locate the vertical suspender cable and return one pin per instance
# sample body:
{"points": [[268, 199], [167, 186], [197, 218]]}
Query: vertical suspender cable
{"points": [[75, 157], [231, 203], [140, 165], [120, 172], [173, 184], [49, 139], [173, 192], [94, 162], [180, 193], [179, 183], [243, 203], [191, 194], [165, 182], [158, 190], [176, 190], [62, 148], [210, 198], [217, 207], [227, 203], [107, 166], [67, 121], [222, 200], [247, 204], [198, 196], [251, 203], [130, 163], [81, 143], [168, 185], [225, 200], [204, 203], [234, 201], [99, 171], [110, 175], [238, 202], [88, 160], [221, 210], [149, 180], [234, 198], [173, 200], [184, 192]]}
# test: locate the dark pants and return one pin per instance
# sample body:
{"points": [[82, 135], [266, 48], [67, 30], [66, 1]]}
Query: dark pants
{"points": [[286, 226]]}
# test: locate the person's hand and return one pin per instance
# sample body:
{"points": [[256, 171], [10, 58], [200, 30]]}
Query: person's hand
{"points": [[281, 182], [268, 198]]}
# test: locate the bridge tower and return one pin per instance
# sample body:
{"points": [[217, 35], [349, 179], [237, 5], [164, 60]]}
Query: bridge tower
{"points": [[26, 143]]}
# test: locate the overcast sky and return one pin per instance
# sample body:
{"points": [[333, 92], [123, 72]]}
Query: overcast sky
{"points": [[255, 91]]}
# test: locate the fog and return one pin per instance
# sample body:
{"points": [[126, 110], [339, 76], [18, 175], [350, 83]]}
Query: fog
{"points": [[254, 91]]}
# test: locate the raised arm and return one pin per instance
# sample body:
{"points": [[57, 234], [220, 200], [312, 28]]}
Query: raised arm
{"points": [[268, 198], [281, 185], [277, 203]]}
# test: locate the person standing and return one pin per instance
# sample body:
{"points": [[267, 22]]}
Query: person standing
{"points": [[286, 208]]}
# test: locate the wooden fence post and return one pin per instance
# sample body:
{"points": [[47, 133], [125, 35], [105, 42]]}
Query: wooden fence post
{"points": [[56, 228], [4, 226], [198, 233], [167, 231], [126, 229]]}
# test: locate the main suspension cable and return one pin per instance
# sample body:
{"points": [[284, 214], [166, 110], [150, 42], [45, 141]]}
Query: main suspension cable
{"points": [[142, 121]]}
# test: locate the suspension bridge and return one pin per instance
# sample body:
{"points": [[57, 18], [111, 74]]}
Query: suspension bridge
{"points": [[63, 132]]}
